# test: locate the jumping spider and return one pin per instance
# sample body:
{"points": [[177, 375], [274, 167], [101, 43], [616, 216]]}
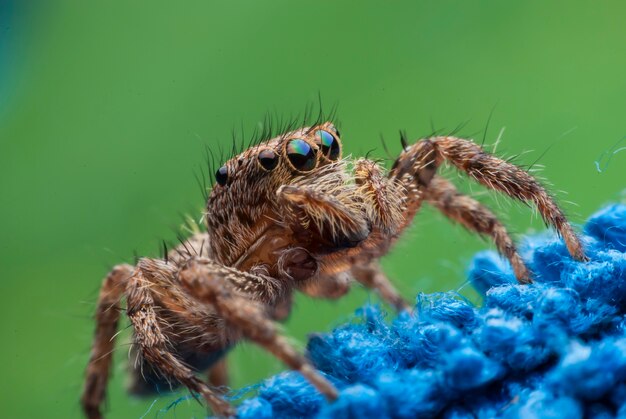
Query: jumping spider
{"points": [[290, 214]]}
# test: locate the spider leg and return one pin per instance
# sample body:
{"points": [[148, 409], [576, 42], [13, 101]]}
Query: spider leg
{"points": [[107, 316], [385, 202], [209, 283], [218, 374], [282, 309], [142, 289], [311, 212], [383, 196], [418, 163], [475, 217], [372, 276]]}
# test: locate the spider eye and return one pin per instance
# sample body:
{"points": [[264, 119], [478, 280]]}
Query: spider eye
{"points": [[268, 159], [329, 144], [221, 176], [301, 155]]}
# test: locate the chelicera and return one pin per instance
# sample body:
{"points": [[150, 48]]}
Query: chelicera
{"points": [[290, 215]]}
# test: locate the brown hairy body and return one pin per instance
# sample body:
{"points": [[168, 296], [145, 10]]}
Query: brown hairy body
{"points": [[286, 215]]}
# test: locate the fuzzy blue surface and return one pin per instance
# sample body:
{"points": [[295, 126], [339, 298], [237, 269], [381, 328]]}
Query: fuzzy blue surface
{"points": [[553, 349]]}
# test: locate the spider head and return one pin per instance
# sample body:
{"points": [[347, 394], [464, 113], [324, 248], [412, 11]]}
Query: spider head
{"points": [[289, 155], [242, 205]]}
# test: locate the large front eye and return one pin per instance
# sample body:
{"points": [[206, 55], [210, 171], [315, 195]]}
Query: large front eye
{"points": [[330, 146], [301, 155], [221, 176]]}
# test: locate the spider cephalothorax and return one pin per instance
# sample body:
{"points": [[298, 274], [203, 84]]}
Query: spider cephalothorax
{"points": [[290, 214], [244, 206]]}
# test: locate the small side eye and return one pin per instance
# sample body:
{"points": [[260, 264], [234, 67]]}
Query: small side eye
{"points": [[268, 159], [331, 148], [221, 176], [301, 155]]}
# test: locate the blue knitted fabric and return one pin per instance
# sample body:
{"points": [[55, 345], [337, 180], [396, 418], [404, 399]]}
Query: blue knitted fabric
{"points": [[553, 349]]}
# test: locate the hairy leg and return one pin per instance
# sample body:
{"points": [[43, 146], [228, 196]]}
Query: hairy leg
{"points": [[383, 197], [107, 316], [369, 275], [142, 290], [372, 276], [312, 212], [253, 296], [475, 217], [385, 204], [422, 159], [212, 285], [196, 334]]}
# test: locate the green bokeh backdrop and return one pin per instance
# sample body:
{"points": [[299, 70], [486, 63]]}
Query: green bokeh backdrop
{"points": [[105, 108]]}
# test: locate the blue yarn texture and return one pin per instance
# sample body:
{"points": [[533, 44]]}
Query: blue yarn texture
{"points": [[552, 349]]}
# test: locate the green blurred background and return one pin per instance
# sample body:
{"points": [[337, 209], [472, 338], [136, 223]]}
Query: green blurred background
{"points": [[105, 108]]}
